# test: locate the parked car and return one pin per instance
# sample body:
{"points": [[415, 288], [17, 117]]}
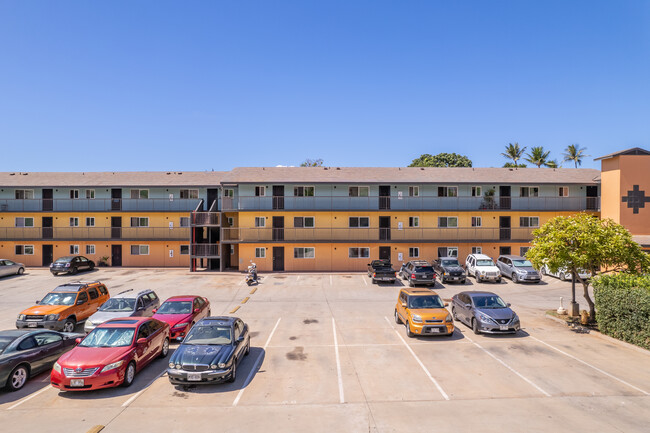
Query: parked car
{"points": [[518, 268], [111, 354], [182, 312], [484, 312], [563, 274], [71, 265], [65, 306], [7, 267], [423, 313], [27, 352], [125, 304], [449, 270], [418, 272], [381, 270], [210, 352], [482, 268]]}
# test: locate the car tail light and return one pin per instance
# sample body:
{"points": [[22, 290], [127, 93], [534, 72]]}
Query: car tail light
{"points": [[374, 274], [413, 276]]}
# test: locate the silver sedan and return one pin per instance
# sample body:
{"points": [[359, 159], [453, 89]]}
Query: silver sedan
{"points": [[7, 267]]}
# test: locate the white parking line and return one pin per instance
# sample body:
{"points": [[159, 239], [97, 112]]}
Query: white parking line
{"points": [[364, 280], [30, 397], [338, 363], [256, 365], [331, 284], [530, 382], [298, 279], [589, 365], [435, 382], [137, 394]]}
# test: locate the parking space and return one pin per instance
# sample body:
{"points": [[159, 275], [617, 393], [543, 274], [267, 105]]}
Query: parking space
{"points": [[327, 355]]}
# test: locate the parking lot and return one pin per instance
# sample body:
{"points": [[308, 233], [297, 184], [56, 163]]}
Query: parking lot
{"points": [[327, 356]]}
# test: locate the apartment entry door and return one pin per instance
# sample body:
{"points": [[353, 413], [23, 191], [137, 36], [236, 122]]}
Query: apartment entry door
{"points": [[116, 255], [384, 197], [384, 253], [278, 228], [384, 228], [278, 196], [48, 231], [116, 227], [48, 255], [278, 258], [48, 199], [116, 199], [504, 227], [592, 197], [504, 197]]}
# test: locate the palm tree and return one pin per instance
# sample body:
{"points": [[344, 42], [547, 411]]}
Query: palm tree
{"points": [[574, 153], [552, 164], [537, 156], [514, 152]]}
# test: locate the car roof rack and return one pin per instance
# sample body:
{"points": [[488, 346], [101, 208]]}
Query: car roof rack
{"points": [[76, 284], [124, 291]]}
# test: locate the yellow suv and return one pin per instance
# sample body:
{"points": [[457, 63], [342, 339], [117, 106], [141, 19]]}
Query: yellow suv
{"points": [[423, 312], [65, 306]]}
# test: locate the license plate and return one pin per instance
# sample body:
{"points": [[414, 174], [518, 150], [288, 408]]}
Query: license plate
{"points": [[503, 327], [194, 377], [454, 278], [32, 325], [434, 330], [76, 382]]}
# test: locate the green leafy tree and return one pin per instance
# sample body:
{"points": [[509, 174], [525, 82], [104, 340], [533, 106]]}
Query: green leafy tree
{"points": [[552, 164], [513, 165], [514, 152], [538, 156], [312, 163], [574, 153], [583, 241], [441, 160]]}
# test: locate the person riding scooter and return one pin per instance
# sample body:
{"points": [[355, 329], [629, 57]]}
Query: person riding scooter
{"points": [[251, 276]]}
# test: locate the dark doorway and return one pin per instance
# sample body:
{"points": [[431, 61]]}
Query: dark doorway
{"points": [[384, 196], [226, 253], [48, 231], [213, 196], [504, 227], [384, 253], [384, 228], [592, 197], [278, 258], [116, 199], [278, 228], [48, 255], [48, 202], [278, 196], [116, 227], [504, 197], [116, 255], [504, 251]]}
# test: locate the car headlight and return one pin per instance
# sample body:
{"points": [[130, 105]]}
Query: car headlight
{"points": [[21, 317], [57, 367], [67, 265], [181, 325], [515, 318], [112, 366], [213, 366], [484, 317], [53, 317], [51, 265], [416, 318], [172, 365], [446, 273], [449, 318], [89, 323], [222, 365], [178, 366]]}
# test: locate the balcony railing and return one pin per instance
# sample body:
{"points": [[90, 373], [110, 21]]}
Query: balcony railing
{"points": [[94, 233], [206, 219], [424, 203], [464, 234], [206, 250], [99, 205]]}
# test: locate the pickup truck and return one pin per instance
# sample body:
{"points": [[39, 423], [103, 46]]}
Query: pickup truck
{"points": [[381, 270], [449, 270]]}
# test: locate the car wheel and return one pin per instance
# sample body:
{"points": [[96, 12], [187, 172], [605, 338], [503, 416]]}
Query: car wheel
{"points": [[129, 374], [18, 378], [562, 276], [409, 334], [411, 284], [499, 281], [91, 266], [55, 273], [73, 271], [514, 278], [21, 271], [248, 348], [404, 277], [209, 313], [165, 348], [475, 327], [397, 319], [233, 375], [478, 279], [69, 325], [373, 281], [543, 270], [453, 314], [464, 281]]}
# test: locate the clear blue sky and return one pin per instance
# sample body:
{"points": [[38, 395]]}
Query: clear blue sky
{"points": [[189, 85]]}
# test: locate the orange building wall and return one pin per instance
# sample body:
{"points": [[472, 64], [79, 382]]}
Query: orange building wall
{"points": [[634, 170]]}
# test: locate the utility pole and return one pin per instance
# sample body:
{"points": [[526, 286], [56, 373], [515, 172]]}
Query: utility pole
{"points": [[574, 308]]}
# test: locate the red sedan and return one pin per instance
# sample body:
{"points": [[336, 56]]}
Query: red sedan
{"points": [[182, 312], [111, 354]]}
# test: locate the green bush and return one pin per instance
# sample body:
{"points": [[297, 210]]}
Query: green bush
{"points": [[623, 307]]}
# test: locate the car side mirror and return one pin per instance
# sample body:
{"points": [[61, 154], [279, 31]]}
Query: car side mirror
{"points": [[446, 304], [77, 340], [37, 302], [403, 304], [508, 304], [240, 339], [154, 310], [142, 340], [196, 310]]}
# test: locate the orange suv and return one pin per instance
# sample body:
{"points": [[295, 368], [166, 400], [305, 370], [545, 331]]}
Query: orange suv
{"points": [[65, 306], [423, 312]]}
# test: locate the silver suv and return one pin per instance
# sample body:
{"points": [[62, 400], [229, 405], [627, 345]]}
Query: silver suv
{"points": [[518, 268], [125, 304]]}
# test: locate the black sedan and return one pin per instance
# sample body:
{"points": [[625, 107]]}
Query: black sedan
{"points": [[25, 353], [210, 352], [71, 265]]}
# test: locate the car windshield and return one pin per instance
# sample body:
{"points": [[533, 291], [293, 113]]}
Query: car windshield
{"points": [[423, 269], [490, 301], [63, 260], [484, 262], [432, 301], [175, 307], [216, 335], [522, 263], [109, 337], [118, 305], [59, 299], [449, 262], [4, 342]]}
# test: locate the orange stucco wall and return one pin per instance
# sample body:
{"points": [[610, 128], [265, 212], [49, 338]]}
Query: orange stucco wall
{"points": [[635, 170], [610, 189]]}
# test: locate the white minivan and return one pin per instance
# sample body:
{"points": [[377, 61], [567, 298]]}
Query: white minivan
{"points": [[482, 268]]}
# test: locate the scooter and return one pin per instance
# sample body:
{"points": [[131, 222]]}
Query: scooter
{"points": [[251, 276]]}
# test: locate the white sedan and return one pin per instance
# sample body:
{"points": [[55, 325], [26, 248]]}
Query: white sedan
{"points": [[7, 267], [563, 274]]}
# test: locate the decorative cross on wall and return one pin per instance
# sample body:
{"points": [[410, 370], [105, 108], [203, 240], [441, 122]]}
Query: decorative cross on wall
{"points": [[636, 199]]}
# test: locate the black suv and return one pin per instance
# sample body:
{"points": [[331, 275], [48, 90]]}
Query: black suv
{"points": [[449, 270], [418, 272]]}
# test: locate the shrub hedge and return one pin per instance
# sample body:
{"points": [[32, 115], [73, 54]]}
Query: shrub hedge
{"points": [[623, 307]]}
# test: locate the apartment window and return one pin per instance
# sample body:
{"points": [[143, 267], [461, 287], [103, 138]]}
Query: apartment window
{"points": [[232, 250], [260, 253], [447, 191], [303, 191], [90, 194], [447, 251], [356, 222], [563, 191], [414, 252], [139, 250], [477, 250], [523, 251], [477, 221], [358, 191], [529, 191], [74, 249], [414, 191], [24, 222], [27, 250], [414, 221], [185, 222], [139, 221], [307, 222], [228, 192], [185, 250], [304, 253], [189, 193], [260, 191], [74, 193], [139, 193], [74, 222], [477, 191], [504, 251], [528, 221], [24, 194], [90, 249], [450, 222], [90, 222], [260, 222], [359, 253]]}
